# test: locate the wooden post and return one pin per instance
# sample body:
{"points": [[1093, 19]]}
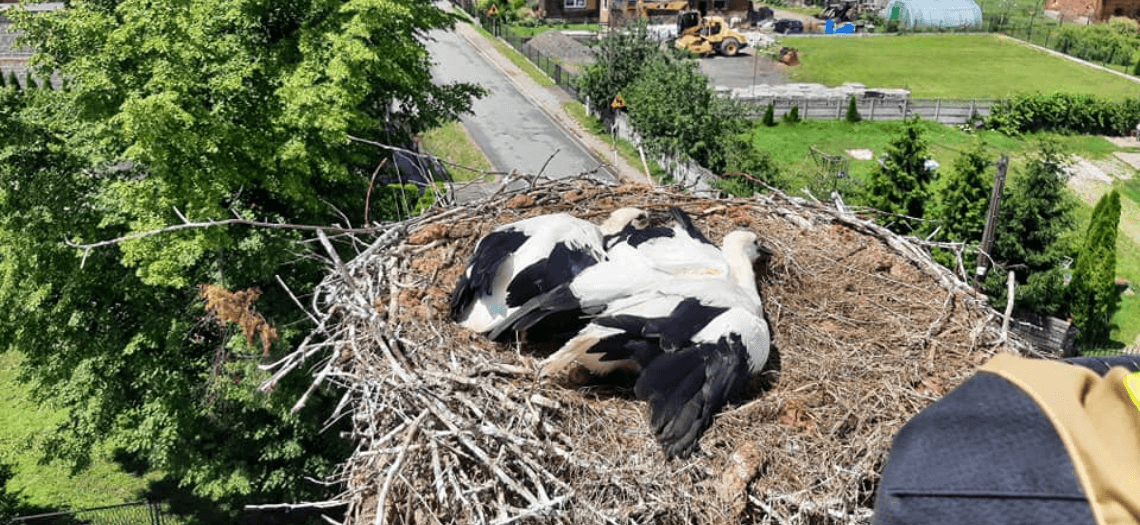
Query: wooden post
{"points": [[838, 110], [872, 110], [937, 108], [906, 101], [972, 109], [991, 221]]}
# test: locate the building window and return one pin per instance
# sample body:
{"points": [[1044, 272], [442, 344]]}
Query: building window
{"points": [[575, 4], [720, 5]]}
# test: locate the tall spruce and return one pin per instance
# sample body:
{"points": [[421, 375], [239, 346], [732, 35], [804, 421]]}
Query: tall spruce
{"points": [[1092, 292], [899, 184], [769, 115], [961, 198], [1034, 233], [852, 111]]}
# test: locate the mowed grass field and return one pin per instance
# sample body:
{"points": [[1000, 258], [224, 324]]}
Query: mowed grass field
{"points": [[949, 66]]}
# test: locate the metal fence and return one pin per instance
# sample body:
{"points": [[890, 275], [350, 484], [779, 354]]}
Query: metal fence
{"points": [[138, 513], [563, 77], [946, 111]]}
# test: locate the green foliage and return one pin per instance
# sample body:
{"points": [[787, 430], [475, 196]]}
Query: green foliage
{"points": [[9, 501], [1065, 113], [155, 126], [852, 111], [1136, 68], [899, 186], [961, 198], [13, 80], [1092, 293], [769, 115], [744, 162], [1114, 42], [1034, 222], [621, 55], [792, 116], [672, 105]]}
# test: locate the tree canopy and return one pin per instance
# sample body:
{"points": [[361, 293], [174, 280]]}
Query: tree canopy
{"points": [[200, 111]]}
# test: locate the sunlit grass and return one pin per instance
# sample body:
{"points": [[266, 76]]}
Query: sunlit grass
{"points": [[452, 143], [517, 59], [949, 66], [23, 424], [625, 148]]}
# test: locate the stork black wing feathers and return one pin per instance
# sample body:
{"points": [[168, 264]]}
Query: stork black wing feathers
{"points": [[480, 277], [694, 232], [563, 264], [685, 388]]}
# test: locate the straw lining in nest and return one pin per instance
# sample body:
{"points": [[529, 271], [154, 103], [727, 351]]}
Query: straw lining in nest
{"points": [[452, 428]]}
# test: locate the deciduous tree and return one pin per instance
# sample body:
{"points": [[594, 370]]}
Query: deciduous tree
{"points": [[203, 110]]}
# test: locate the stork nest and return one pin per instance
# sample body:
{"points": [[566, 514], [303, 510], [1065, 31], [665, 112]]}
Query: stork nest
{"points": [[452, 428]]}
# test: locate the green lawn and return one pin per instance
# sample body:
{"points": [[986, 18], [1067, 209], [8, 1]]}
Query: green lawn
{"points": [[625, 148], [451, 142], [949, 66], [22, 424], [517, 58], [527, 32]]}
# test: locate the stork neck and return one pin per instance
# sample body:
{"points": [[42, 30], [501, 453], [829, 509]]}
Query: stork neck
{"points": [[741, 274]]}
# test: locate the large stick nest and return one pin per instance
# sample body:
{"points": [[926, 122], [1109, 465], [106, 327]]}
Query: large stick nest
{"points": [[452, 428]]}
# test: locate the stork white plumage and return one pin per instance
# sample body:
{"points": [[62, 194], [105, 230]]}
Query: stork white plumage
{"points": [[696, 344], [635, 260], [524, 259]]}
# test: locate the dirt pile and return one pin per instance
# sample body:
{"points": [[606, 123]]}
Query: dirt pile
{"points": [[452, 428]]}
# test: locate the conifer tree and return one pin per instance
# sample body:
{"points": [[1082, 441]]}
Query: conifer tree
{"points": [[1092, 293], [852, 111], [899, 184], [770, 115], [793, 115], [1035, 227], [961, 200]]}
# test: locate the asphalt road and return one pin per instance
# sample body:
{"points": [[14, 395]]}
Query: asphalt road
{"points": [[511, 130]]}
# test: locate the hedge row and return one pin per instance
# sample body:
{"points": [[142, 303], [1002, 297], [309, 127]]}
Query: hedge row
{"points": [[1064, 113]]}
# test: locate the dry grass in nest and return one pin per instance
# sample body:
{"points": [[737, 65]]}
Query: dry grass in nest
{"points": [[452, 428]]}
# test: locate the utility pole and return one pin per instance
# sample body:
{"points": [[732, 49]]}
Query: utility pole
{"points": [[991, 222]]}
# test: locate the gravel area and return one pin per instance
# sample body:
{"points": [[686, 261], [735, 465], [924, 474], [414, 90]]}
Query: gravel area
{"points": [[556, 44]]}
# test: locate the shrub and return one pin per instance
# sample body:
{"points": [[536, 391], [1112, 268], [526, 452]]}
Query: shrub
{"points": [[793, 115], [1064, 113], [852, 111], [1114, 42], [769, 115]]}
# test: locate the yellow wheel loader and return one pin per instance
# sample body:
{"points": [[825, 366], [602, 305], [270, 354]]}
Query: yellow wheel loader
{"points": [[707, 35]]}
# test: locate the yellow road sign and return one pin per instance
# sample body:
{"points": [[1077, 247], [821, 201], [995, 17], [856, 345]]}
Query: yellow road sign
{"points": [[618, 102], [494, 10]]}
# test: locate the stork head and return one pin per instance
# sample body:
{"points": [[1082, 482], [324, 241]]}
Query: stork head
{"points": [[622, 217], [746, 243]]}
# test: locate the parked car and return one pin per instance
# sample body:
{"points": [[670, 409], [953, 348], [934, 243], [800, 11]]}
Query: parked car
{"points": [[789, 26]]}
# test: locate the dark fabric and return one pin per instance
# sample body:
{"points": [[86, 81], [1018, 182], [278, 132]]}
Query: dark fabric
{"points": [[983, 454]]}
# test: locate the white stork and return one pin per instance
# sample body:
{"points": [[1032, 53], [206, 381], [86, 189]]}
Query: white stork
{"points": [[635, 260], [696, 344], [524, 259]]}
